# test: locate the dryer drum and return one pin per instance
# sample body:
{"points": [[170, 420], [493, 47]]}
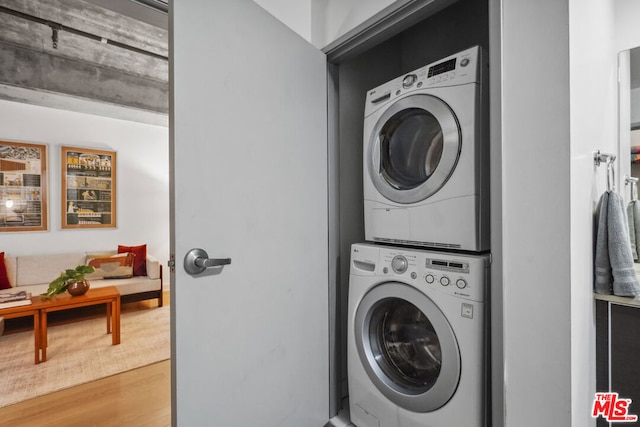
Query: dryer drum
{"points": [[415, 147], [411, 145]]}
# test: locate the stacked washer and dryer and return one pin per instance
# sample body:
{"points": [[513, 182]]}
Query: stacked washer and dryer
{"points": [[417, 328]]}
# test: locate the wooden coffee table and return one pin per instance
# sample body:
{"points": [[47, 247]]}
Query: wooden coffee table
{"points": [[24, 311], [108, 295]]}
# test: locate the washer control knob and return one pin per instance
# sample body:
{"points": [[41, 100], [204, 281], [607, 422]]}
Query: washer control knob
{"points": [[461, 283], [409, 80], [444, 281], [429, 278], [399, 264]]}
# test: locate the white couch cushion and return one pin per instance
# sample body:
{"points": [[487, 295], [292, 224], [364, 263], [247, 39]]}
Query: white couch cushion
{"points": [[153, 267], [10, 263], [39, 269]]}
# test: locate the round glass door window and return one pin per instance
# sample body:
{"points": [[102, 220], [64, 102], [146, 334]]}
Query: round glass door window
{"points": [[407, 347], [410, 148], [414, 148]]}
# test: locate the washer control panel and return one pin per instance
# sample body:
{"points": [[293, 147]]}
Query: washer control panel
{"points": [[460, 275]]}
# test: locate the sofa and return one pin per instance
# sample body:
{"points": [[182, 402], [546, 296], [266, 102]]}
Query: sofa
{"points": [[33, 273]]}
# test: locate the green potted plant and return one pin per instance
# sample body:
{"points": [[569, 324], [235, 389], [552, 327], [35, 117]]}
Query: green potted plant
{"points": [[72, 280]]}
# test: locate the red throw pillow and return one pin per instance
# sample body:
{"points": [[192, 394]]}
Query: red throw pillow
{"points": [[4, 277], [140, 263]]}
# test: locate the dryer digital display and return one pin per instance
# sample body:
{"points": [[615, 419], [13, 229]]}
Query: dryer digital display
{"points": [[443, 67]]}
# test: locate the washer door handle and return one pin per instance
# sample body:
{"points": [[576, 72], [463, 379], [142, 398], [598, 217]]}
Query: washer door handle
{"points": [[197, 260]]}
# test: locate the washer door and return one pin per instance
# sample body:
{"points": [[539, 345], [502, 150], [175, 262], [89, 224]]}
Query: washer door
{"points": [[414, 148], [407, 347]]}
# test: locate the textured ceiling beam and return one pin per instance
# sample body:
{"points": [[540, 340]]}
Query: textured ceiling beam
{"points": [[79, 66], [96, 20], [57, 27], [30, 69], [28, 34]]}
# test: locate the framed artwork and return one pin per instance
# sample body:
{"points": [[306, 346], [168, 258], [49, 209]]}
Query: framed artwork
{"points": [[23, 187], [88, 188]]}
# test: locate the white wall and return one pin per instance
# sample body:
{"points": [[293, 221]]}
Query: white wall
{"points": [[323, 21], [334, 18], [593, 66], [627, 34], [536, 212], [142, 179], [295, 14]]}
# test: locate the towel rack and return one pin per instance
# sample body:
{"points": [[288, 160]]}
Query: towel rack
{"points": [[598, 158], [634, 187]]}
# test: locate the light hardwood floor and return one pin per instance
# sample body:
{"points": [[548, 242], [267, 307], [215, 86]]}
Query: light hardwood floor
{"points": [[137, 398]]}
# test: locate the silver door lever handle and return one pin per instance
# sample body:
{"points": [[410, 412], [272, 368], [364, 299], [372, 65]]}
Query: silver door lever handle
{"points": [[212, 262], [197, 260]]}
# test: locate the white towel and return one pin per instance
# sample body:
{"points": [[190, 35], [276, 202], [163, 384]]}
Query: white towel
{"points": [[613, 264]]}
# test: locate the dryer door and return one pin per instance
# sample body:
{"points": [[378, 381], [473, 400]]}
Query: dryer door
{"points": [[407, 347], [414, 148]]}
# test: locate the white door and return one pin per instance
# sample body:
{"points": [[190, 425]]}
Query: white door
{"points": [[249, 158]]}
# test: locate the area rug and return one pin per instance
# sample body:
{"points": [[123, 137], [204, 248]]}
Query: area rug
{"points": [[80, 352]]}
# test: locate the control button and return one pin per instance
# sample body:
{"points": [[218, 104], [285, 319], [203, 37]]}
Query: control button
{"points": [[409, 80], [461, 283], [385, 270], [398, 92], [413, 275], [464, 62], [444, 281], [429, 278], [399, 264], [419, 84]]}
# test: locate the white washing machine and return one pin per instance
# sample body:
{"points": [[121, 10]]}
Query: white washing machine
{"points": [[416, 346], [426, 156]]}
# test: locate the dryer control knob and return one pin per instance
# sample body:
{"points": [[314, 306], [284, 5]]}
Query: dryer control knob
{"points": [[399, 264], [461, 283]]}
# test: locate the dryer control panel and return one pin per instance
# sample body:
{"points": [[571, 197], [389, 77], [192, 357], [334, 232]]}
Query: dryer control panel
{"points": [[458, 69]]}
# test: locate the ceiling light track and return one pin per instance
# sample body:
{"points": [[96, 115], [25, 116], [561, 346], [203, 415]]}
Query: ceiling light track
{"points": [[57, 27]]}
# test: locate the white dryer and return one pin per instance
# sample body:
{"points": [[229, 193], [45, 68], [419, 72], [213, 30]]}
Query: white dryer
{"points": [[426, 157], [416, 350]]}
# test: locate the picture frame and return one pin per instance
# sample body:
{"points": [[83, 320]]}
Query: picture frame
{"points": [[88, 188], [23, 187]]}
